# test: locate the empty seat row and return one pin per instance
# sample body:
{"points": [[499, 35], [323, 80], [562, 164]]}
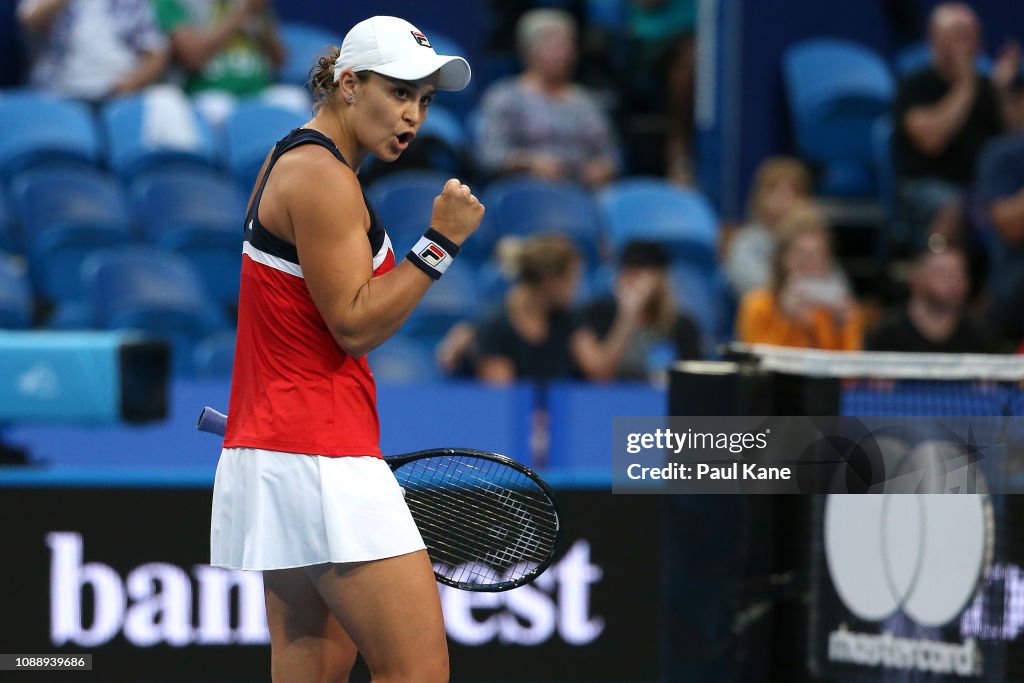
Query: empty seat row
{"points": [[159, 128], [138, 287], [66, 212], [134, 134]]}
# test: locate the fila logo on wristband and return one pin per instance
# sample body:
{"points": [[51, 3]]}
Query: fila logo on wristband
{"points": [[433, 253]]}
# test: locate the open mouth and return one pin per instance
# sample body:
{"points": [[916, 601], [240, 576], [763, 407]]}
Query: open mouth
{"points": [[406, 138]]}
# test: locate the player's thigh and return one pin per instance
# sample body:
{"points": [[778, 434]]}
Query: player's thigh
{"points": [[392, 610], [304, 634]]}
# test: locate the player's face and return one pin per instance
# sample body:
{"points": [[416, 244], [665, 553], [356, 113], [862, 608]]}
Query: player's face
{"points": [[391, 112]]}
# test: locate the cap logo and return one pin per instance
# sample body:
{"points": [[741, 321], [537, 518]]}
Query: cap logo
{"points": [[420, 38]]}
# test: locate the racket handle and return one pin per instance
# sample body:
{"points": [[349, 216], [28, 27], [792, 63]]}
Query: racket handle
{"points": [[212, 421]]}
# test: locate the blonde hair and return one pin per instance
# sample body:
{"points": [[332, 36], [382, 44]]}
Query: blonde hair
{"points": [[535, 259], [770, 172], [802, 219]]}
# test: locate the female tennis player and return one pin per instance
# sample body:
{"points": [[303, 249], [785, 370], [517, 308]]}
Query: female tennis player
{"points": [[302, 492]]}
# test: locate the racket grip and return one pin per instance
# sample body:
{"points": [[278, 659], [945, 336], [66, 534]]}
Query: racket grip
{"points": [[212, 421]]}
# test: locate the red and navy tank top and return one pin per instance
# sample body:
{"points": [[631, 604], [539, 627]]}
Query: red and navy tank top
{"points": [[293, 388]]}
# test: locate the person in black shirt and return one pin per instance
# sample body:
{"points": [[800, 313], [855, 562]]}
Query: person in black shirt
{"points": [[528, 338], [934, 320], [944, 114], [629, 335]]}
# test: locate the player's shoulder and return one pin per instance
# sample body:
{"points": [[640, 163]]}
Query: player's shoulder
{"points": [[310, 167]]}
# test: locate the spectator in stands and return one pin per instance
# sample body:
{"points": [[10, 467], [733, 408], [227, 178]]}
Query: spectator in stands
{"points": [[934, 319], [528, 338], [619, 337], [808, 302], [663, 54], [93, 49], [779, 184], [541, 123], [943, 116], [226, 48], [1000, 215]]}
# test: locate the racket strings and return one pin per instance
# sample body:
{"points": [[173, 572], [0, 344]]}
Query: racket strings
{"points": [[476, 518], [483, 476], [454, 479], [434, 519], [483, 521]]}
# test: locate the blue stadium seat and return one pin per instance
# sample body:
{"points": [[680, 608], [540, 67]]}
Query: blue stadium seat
{"points": [[451, 299], [70, 315], [442, 125], [526, 206], [137, 141], [403, 359], [492, 283], [836, 90], [214, 356], [154, 290], [698, 294], [15, 294], [40, 129], [303, 44], [404, 202], [9, 240], [601, 281], [250, 133], [66, 212], [654, 209], [200, 215]]}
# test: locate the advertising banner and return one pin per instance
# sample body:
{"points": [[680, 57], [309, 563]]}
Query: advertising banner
{"points": [[120, 575]]}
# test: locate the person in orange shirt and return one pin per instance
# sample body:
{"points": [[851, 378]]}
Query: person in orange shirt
{"points": [[808, 302]]}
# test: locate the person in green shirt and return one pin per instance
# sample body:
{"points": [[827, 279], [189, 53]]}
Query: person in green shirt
{"points": [[224, 45]]}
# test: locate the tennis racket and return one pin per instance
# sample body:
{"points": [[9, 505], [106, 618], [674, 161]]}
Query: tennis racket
{"points": [[489, 523]]}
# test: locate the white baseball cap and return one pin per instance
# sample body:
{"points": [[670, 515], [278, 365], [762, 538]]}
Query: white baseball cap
{"points": [[393, 47]]}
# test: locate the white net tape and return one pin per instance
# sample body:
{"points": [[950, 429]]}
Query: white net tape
{"points": [[885, 365]]}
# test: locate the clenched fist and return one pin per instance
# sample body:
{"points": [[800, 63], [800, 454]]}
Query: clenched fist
{"points": [[457, 212]]}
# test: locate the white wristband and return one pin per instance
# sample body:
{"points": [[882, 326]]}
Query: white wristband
{"points": [[432, 254]]}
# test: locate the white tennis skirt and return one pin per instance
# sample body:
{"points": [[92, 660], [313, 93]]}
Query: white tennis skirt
{"points": [[276, 510]]}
